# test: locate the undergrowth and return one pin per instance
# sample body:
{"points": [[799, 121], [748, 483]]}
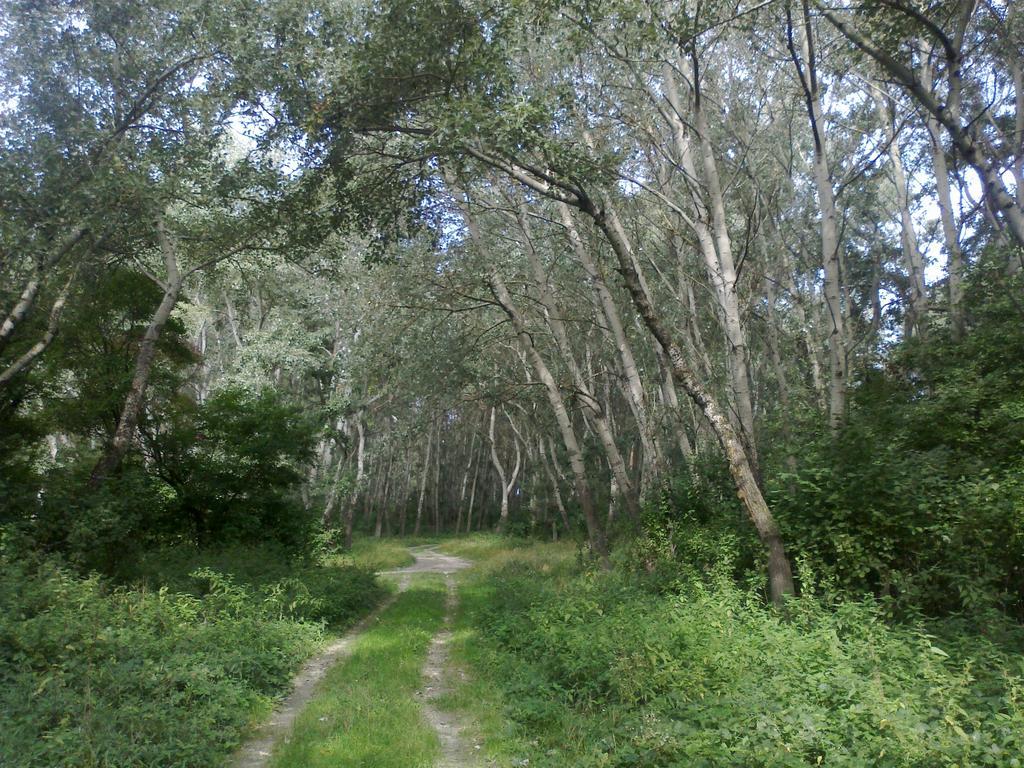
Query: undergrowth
{"points": [[602, 670], [375, 554], [169, 671]]}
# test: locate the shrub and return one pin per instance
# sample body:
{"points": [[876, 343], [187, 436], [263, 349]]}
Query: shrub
{"points": [[290, 586], [117, 676], [706, 675]]}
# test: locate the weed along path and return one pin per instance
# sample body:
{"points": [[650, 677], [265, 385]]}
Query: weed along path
{"points": [[367, 699]]}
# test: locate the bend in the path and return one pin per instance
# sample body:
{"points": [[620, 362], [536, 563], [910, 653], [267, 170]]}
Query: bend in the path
{"points": [[429, 560]]}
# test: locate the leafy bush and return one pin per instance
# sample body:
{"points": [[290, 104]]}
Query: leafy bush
{"points": [[96, 675], [227, 471], [288, 586], [104, 529], [706, 675], [235, 463], [920, 498]]}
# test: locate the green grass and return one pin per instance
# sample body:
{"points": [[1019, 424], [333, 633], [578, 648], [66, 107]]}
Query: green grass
{"points": [[376, 554], [365, 714], [479, 696], [490, 550], [593, 670]]}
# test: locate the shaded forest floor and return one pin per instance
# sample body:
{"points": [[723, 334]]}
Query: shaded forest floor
{"points": [[528, 657]]}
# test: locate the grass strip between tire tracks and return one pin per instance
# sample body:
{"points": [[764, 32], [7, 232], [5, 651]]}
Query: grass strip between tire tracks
{"points": [[365, 713]]}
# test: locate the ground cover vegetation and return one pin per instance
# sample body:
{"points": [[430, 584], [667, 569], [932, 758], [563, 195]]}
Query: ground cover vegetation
{"points": [[572, 666], [172, 672], [727, 296]]}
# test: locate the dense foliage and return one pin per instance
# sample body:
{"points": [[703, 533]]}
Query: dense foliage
{"points": [[167, 673], [616, 670], [221, 472]]}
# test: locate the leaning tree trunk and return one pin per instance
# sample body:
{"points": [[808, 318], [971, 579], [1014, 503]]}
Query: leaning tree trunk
{"points": [[37, 349], [634, 386], [593, 406], [115, 452], [597, 538], [32, 287], [780, 574]]}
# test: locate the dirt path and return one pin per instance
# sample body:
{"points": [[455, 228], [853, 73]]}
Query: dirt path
{"points": [[456, 751], [256, 752], [429, 560]]}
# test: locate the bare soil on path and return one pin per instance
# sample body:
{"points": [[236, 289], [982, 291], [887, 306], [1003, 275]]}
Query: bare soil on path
{"points": [[256, 752], [429, 560]]}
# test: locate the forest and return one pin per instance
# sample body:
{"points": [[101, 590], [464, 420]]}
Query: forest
{"points": [[647, 375]]}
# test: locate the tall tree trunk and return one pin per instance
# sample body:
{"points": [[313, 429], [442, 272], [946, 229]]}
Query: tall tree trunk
{"points": [[472, 497], [402, 501], [668, 393], [437, 478], [232, 320], [465, 481], [555, 489], [357, 488], [912, 257], [950, 232], [506, 482], [709, 226], [799, 312], [383, 503], [403, 511], [332, 494], [780, 374], [423, 489], [806, 66]]}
